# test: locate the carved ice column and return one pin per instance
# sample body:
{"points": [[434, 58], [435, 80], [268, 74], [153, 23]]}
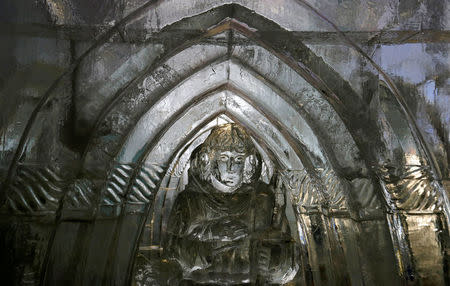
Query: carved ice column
{"points": [[136, 200], [323, 221], [373, 235], [418, 223], [99, 225], [27, 220], [72, 224]]}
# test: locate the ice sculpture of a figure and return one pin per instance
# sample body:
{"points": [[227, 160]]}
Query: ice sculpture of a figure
{"points": [[224, 228]]}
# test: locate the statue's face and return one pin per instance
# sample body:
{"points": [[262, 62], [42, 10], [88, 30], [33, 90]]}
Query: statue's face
{"points": [[230, 165]]}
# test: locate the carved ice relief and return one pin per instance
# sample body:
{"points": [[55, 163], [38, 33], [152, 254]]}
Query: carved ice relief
{"points": [[411, 188], [225, 227], [35, 189]]}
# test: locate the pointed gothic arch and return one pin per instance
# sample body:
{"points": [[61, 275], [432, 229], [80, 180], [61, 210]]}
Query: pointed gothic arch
{"points": [[227, 42]]}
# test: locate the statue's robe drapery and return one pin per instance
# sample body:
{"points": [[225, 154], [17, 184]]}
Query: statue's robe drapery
{"points": [[214, 235]]}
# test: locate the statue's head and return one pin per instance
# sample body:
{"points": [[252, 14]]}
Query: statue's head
{"points": [[227, 158]]}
